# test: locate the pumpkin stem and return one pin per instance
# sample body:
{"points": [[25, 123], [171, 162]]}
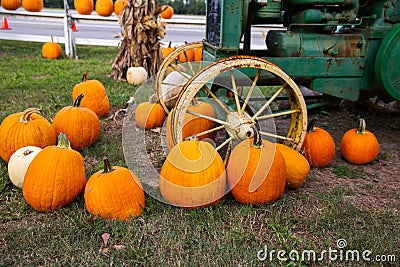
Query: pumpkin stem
{"points": [[361, 127], [107, 166], [311, 125], [78, 100], [84, 77], [170, 43], [257, 141], [63, 141], [51, 37], [27, 114]]}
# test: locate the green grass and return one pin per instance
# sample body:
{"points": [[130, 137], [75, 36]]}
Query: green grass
{"points": [[228, 234]]}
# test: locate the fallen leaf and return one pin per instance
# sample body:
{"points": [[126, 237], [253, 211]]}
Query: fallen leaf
{"points": [[105, 238], [119, 247]]}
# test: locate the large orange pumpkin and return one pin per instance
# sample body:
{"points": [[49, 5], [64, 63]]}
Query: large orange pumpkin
{"points": [[114, 193], [80, 124], [11, 4], [84, 7], [104, 8], [187, 56], [256, 171], [95, 95], [55, 177], [26, 128], [119, 5], [318, 147], [358, 145], [51, 50], [32, 5], [149, 115], [193, 175], [297, 166], [193, 124]]}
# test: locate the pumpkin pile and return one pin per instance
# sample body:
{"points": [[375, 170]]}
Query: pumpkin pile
{"points": [[44, 159]]}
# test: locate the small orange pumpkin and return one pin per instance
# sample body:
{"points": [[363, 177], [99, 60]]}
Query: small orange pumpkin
{"points": [[297, 166], [166, 12], [318, 147], [55, 177], [104, 8], [95, 95], [114, 193], [167, 50], [51, 50], [26, 128], [256, 171], [186, 56], [149, 115], [84, 7], [358, 145], [80, 124], [193, 124], [193, 175], [11, 4], [119, 5], [198, 54], [32, 5]]}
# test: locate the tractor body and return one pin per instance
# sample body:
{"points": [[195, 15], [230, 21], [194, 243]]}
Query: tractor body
{"points": [[343, 48]]}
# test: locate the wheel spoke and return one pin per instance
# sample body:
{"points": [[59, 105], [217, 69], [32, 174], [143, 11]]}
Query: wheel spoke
{"points": [[207, 117], [208, 131], [270, 116], [216, 99], [251, 89], [235, 92], [277, 136], [181, 72], [174, 84], [224, 143], [268, 102]]}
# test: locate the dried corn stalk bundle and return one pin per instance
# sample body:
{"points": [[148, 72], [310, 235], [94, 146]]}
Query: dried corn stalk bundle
{"points": [[142, 33]]}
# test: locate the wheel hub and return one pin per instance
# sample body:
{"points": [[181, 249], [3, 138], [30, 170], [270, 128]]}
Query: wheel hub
{"points": [[240, 126]]}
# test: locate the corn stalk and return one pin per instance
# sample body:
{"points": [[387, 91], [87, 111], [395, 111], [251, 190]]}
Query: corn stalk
{"points": [[142, 31]]}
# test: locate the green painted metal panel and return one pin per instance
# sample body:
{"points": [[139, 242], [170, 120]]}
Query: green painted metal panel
{"points": [[344, 88]]}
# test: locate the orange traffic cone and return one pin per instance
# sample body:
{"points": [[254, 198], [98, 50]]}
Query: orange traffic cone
{"points": [[4, 24], [73, 26]]}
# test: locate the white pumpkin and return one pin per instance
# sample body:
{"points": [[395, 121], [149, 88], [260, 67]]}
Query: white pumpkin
{"points": [[172, 87], [136, 75], [19, 163]]}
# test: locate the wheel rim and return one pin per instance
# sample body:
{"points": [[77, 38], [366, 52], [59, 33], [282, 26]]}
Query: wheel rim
{"points": [[171, 62], [241, 118]]}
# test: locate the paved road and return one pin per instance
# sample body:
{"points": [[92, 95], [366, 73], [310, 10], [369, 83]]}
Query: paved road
{"points": [[107, 31]]}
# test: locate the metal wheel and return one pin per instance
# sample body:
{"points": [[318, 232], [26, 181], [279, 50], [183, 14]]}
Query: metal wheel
{"points": [[172, 64], [248, 106]]}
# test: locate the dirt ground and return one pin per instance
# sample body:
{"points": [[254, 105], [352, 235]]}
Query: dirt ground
{"points": [[375, 185]]}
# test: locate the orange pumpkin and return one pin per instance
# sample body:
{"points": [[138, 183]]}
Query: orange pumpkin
{"points": [[55, 177], [318, 147], [11, 4], [167, 50], [186, 56], [198, 54], [114, 193], [166, 12], [358, 145], [95, 95], [51, 50], [193, 124], [104, 8], [119, 5], [32, 5], [84, 7], [149, 115], [297, 166], [193, 175], [256, 171], [80, 124], [26, 128]]}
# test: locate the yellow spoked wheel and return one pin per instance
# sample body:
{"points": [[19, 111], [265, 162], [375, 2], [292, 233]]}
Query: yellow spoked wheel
{"points": [[230, 86], [176, 69]]}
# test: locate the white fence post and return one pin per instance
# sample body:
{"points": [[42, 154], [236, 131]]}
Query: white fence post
{"points": [[67, 33]]}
